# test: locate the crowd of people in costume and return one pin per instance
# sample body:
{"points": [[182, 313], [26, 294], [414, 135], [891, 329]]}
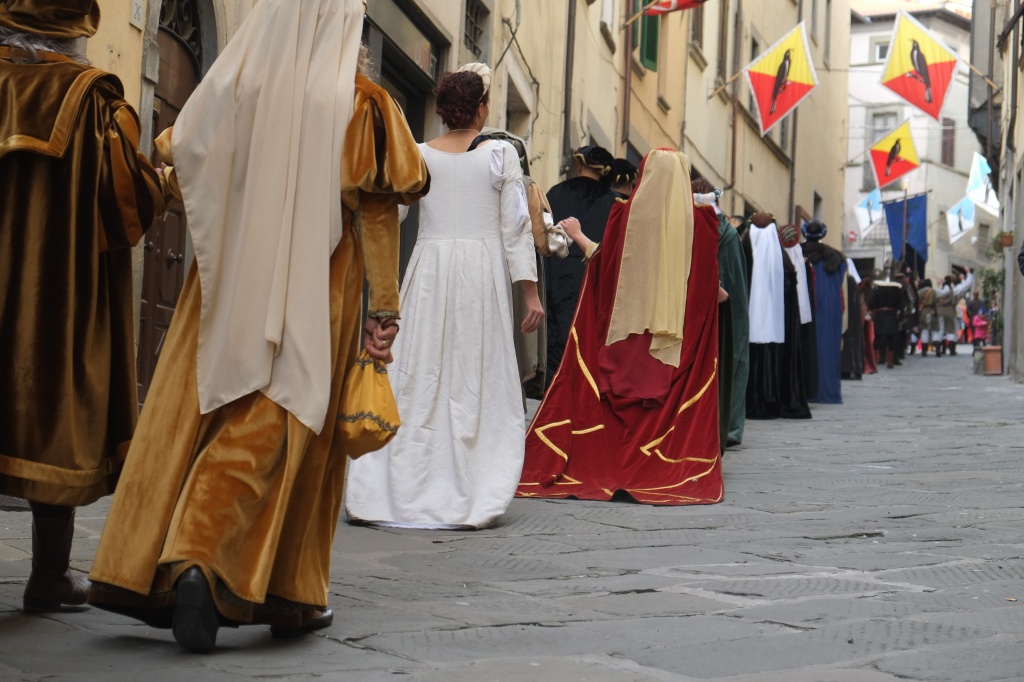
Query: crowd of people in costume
{"points": [[647, 324]]}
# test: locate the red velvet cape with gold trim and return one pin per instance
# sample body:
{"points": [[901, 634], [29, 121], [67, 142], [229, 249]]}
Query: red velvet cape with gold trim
{"points": [[617, 419]]}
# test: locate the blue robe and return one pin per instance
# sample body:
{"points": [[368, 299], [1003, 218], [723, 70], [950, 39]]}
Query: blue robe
{"points": [[829, 280]]}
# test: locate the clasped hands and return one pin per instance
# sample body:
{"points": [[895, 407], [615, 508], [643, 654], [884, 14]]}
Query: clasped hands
{"points": [[378, 337]]}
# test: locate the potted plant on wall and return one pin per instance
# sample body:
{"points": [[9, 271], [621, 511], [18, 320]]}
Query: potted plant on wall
{"points": [[992, 281]]}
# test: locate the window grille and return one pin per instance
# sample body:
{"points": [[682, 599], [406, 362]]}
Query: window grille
{"points": [[948, 141], [476, 18], [723, 40], [697, 26]]}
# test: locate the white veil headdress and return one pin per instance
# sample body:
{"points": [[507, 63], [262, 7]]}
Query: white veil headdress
{"points": [[657, 255], [257, 150]]}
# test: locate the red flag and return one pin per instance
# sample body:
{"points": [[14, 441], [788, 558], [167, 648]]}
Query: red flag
{"points": [[781, 76], [920, 68], [671, 6]]}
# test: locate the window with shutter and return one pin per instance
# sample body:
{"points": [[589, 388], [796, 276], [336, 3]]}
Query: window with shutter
{"points": [[723, 40], [948, 142], [645, 35], [697, 26], [649, 42]]}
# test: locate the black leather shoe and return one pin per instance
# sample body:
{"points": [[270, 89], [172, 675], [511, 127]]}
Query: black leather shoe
{"points": [[325, 618], [195, 617]]}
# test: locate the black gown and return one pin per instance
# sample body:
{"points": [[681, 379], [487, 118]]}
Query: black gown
{"points": [[853, 337], [589, 201], [777, 384]]}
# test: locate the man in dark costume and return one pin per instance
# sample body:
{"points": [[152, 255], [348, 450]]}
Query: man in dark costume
{"points": [[775, 387], [886, 302], [910, 327], [829, 279], [852, 363], [588, 198], [623, 178]]}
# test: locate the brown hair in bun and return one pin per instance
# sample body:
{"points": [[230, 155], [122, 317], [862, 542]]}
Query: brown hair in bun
{"points": [[459, 95]]}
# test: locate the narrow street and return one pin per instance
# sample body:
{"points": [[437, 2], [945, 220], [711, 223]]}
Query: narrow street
{"points": [[880, 541]]}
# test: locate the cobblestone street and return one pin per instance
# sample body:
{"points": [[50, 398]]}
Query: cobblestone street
{"points": [[880, 541]]}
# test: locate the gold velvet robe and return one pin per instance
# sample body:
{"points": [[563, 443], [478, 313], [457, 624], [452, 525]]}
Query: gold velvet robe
{"points": [[75, 195], [247, 493]]}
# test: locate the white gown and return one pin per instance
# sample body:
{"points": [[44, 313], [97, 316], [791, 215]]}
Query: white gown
{"points": [[458, 455]]}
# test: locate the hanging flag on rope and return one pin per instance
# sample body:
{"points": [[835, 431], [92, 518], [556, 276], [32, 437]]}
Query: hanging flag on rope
{"points": [[960, 219], [869, 211], [979, 185], [671, 6], [894, 155], [781, 76], [911, 233], [920, 68]]}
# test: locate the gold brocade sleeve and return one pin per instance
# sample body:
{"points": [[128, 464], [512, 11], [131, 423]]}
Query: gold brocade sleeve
{"points": [[169, 178], [130, 190], [381, 168]]}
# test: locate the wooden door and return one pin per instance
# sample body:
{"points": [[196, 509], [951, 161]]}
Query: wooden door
{"points": [[163, 269]]}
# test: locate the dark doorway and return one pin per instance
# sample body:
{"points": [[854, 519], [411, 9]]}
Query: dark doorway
{"points": [[407, 50], [163, 269]]}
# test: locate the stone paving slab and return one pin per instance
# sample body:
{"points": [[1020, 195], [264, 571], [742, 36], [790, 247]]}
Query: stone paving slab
{"points": [[881, 540]]}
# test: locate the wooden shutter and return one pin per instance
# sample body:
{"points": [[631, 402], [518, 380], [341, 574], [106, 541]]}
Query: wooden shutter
{"points": [[649, 42], [723, 40]]}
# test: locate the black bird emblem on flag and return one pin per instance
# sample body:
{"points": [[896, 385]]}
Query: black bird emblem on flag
{"points": [[921, 70], [894, 154], [781, 78]]}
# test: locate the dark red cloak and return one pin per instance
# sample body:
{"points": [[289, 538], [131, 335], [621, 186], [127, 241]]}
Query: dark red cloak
{"points": [[617, 419]]}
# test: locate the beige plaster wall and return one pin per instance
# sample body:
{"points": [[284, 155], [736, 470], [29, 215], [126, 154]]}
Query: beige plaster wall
{"points": [[706, 118], [656, 110], [823, 126], [117, 46], [597, 77], [763, 165], [532, 68]]}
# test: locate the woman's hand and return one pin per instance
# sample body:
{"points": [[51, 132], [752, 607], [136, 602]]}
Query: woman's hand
{"points": [[572, 228], [534, 310], [379, 336], [723, 295]]}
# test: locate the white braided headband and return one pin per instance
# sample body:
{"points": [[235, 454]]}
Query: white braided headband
{"points": [[482, 70]]}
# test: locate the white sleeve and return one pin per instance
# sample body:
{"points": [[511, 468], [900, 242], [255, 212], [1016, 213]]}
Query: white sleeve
{"points": [[851, 270], [516, 235], [965, 286]]}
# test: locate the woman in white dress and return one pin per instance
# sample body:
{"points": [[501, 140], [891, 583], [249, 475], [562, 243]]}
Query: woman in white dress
{"points": [[458, 455]]}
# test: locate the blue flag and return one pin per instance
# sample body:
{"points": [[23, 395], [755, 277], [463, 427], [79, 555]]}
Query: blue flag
{"points": [[916, 230]]}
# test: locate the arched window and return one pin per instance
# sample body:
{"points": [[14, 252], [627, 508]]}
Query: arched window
{"points": [[182, 19]]}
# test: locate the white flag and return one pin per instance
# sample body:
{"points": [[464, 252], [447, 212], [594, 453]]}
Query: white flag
{"points": [[960, 218], [869, 211], [979, 185]]}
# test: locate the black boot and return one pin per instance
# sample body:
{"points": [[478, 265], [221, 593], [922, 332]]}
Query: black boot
{"points": [[952, 348], [195, 616], [51, 583]]}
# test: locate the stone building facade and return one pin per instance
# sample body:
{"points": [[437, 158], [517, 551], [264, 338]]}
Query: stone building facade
{"points": [[566, 73]]}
